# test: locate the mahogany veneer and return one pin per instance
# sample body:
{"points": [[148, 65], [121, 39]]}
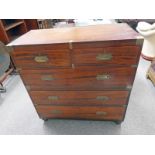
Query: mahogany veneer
{"points": [[81, 72]]}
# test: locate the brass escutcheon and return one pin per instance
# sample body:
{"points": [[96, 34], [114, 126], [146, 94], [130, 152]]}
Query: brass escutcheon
{"points": [[47, 77], [56, 112], [103, 77], [104, 56], [53, 98], [101, 113], [41, 59], [102, 98]]}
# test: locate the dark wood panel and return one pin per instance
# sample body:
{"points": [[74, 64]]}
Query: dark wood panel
{"points": [[98, 113], [49, 58], [126, 55], [31, 24], [82, 98], [80, 78]]}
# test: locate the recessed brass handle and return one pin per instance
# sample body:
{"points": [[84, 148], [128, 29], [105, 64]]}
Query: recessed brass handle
{"points": [[56, 112], [104, 56], [41, 59], [47, 77], [103, 77], [102, 98], [103, 113], [53, 98]]}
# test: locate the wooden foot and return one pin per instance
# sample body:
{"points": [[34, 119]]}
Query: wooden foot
{"points": [[14, 72], [118, 122], [45, 119]]}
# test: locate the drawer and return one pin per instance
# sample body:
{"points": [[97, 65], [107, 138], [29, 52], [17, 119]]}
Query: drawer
{"points": [[127, 55], [80, 78], [73, 112], [79, 98], [42, 59]]}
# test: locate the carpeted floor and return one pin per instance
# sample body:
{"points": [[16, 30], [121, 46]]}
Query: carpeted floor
{"points": [[18, 116]]}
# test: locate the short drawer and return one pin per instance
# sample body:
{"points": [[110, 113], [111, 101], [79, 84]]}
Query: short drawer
{"points": [[70, 112], [80, 78], [42, 59], [79, 98], [127, 55]]}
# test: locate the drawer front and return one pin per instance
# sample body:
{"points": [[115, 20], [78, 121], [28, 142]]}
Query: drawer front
{"points": [[99, 113], [81, 78], [82, 98], [126, 55], [42, 59]]}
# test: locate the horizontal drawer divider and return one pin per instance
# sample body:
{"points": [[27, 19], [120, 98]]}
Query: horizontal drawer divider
{"points": [[84, 105]]}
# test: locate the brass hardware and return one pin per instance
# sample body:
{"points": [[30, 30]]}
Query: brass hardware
{"points": [[104, 56], [139, 40], [124, 106], [128, 87], [103, 77], [41, 59], [134, 66], [73, 66], [70, 45], [56, 112], [47, 78], [18, 69], [103, 98], [27, 87], [101, 113], [54, 98]]}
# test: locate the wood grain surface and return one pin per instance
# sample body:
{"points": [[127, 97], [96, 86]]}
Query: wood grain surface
{"points": [[99, 113], [80, 98], [106, 32], [80, 78], [125, 55], [82, 73], [55, 58]]}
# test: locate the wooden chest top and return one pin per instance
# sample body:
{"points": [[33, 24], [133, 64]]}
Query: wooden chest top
{"points": [[107, 32]]}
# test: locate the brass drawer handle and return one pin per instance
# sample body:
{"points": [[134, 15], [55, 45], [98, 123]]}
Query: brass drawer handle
{"points": [[41, 59], [47, 78], [103, 113], [104, 56], [56, 112], [103, 77], [102, 98], [53, 98]]}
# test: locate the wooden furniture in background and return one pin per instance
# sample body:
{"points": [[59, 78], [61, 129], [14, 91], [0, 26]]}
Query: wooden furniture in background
{"points": [[80, 72], [31, 24], [11, 29]]}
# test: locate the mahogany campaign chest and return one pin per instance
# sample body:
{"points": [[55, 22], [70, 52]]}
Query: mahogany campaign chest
{"points": [[80, 72]]}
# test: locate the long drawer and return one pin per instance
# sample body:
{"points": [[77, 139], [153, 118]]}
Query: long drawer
{"points": [[126, 55], [79, 98], [80, 78], [38, 59], [99, 113]]}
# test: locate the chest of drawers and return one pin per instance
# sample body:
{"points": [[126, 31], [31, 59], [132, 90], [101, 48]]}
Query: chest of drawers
{"points": [[81, 72]]}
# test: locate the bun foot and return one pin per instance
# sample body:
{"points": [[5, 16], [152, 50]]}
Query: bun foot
{"points": [[118, 122], [45, 119]]}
